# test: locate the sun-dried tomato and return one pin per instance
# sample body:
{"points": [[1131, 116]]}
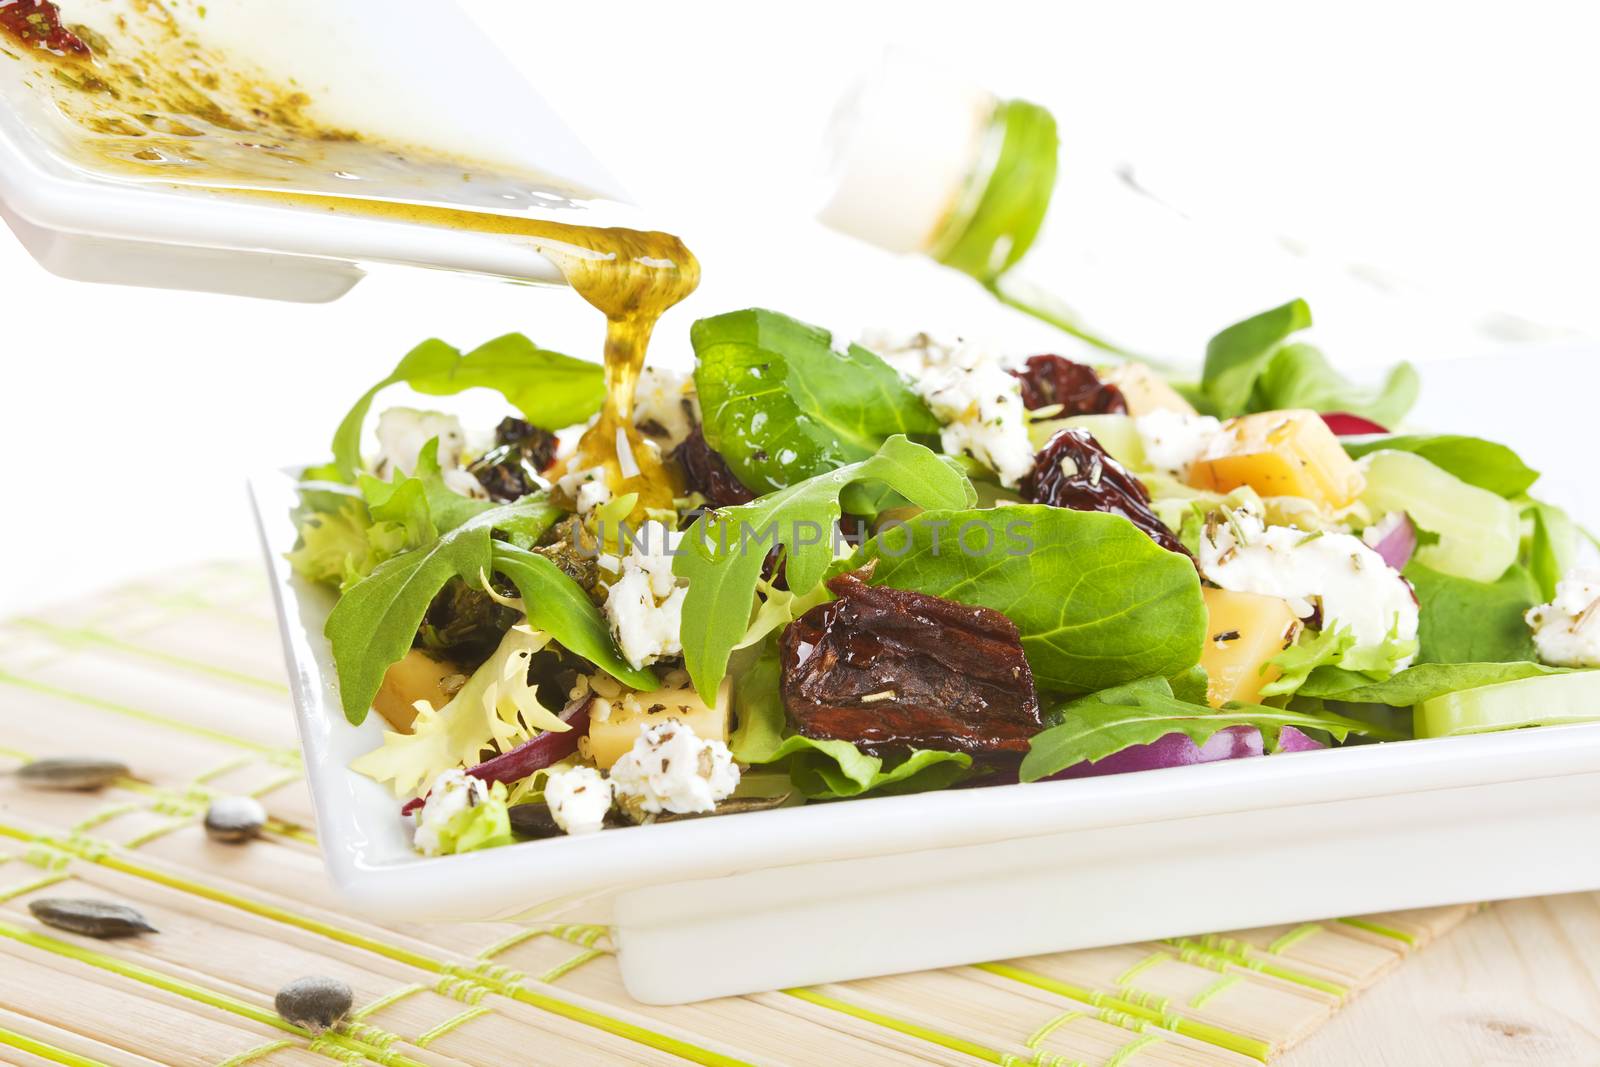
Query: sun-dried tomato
{"points": [[706, 472], [890, 669], [1050, 379], [510, 470], [1073, 471]]}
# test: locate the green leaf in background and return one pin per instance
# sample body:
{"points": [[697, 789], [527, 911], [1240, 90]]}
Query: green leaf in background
{"points": [[1141, 712], [722, 553], [1300, 376], [1416, 684], [551, 390], [1096, 601], [1463, 621], [557, 605], [825, 769], [375, 621], [1238, 355], [1485, 464], [781, 405]]}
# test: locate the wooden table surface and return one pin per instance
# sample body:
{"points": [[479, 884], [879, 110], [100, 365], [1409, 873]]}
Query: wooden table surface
{"points": [[1518, 983]]}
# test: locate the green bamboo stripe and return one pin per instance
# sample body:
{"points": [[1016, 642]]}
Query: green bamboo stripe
{"points": [[573, 964], [220, 736], [255, 1053], [904, 1026], [1226, 982], [70, 635], [46, 1052], [1294, 937], [1213, 946], [1036, 1038], [1132, 1049], [429, 1037], [198, 993], [1384, 931], [1127, 976], [386, 1000], [1138, 1009], [104, 854], [27, 887]]}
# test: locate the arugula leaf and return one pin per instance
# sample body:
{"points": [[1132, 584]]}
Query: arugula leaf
{"points": [[550, 389], [375, 621], [1300, 376], [557, 605], [1238, 355], [825, 769], [420, 501], [1462, 621], [1097, 602], [1416, 684], [722, 553], [1474, 460], [1138, 713], [780, 404]]}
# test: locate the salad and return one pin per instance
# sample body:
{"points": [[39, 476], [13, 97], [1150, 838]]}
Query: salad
{"points": [[907, 564]]}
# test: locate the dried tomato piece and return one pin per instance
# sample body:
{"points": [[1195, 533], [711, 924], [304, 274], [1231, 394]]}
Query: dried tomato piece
{"points": [[1073, 471], [1050, 379], [37, 24], [890, 669], [510, 470], [707, 473]]}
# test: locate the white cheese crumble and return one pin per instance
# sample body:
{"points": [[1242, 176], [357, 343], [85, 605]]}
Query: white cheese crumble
{"points": [[645, 604], [671, 769], [451, 793], [587, 488], [666, 402], [1566, 631], [969, 390], [402, 433], [578, 798], [1355, 588], [1173, 440]]}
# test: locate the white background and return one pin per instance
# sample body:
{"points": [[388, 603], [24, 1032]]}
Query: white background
{"points": [[1448, 149]]}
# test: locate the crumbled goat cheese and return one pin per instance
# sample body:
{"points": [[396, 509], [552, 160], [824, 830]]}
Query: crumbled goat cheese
{"points": [[665, 407], [969, 390], [451, 793], [587, 488], [669, 768], [645, 604], [1566, 631], [1174, 439], [579, 799], [1355, 588], [402, 433]]}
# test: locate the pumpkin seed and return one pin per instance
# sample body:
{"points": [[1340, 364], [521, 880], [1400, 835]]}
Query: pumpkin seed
{"points": [[235, 819], [71, 772], [92, 918], [314, 1003]]}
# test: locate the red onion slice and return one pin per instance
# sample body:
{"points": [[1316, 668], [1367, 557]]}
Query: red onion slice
{"points": [[1344, 424], [1291, 739], [1172, 750], [534, 754], [1396, 543]]}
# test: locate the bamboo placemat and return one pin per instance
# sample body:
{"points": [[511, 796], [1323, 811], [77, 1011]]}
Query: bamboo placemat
{"points": [[180, 676]]}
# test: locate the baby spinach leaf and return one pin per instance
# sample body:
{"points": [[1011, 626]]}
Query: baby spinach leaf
{"points": [[825, 769], [550, 389], [1550, 547], [781, 404], [1097, 602], [1299, 376], [557, 605], [1475, 461], [1462, 621], [721, 555], [1139, 713], [1416, 684], [375, 621], [1238, 355]]}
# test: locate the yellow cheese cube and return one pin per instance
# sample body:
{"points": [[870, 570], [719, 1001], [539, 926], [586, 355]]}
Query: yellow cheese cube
{"points": [[614, 731], [1144, 389], [415, 676], [1244, 631], [1279, 453]]}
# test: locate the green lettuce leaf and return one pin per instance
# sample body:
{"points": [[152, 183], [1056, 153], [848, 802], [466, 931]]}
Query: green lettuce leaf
{"points": [[550, 389], [781, 405], [557, 605], [486, 824], [1463, 621], [375, 621], [1416, 684], [1096, 601], [1335, 647], [722, 553], [825, 769], [1143, 711], [1485, 464]]}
